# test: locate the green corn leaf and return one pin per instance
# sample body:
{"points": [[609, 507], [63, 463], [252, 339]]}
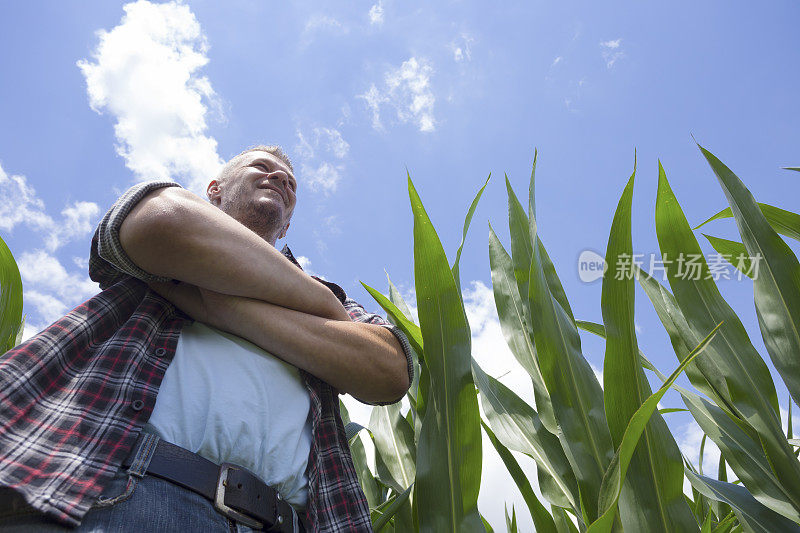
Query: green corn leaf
{"points": [[517, 426], [486, 525], [777, 285], [397, 300], [449, 447], [394, 442], [467, 221], [784, 222], [726, 524], [541, 518], [652, 496], [549, 269], [553, 281], [365, 477], [511, 521], [615, 475], [20, 331], [383, 514], [523, 235], [789, 431], [411, 330], [731, 364], [752, 515], [417, 402], [532, 188], [733, 252], [511, 310], [702, 453], [575, 394], [681, 335], [401, 317], [722, 509], [521, 251], [740, 444], [669, 410], [563, 522], [10, 299], [707, 524], [697, 502], [796, 169], [514, 317], [735, 438], [522, 244]]}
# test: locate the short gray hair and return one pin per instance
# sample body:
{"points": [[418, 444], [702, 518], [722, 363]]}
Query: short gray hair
{"points": [[273, 149]]}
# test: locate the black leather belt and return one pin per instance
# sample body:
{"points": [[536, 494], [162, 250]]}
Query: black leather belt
{"points": [[236, 492]]}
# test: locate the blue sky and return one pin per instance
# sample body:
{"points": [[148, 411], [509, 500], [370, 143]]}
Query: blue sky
{"points": [[94, 100]]}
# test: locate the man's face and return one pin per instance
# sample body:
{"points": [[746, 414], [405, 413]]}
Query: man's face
{"points": [[260, 193]]}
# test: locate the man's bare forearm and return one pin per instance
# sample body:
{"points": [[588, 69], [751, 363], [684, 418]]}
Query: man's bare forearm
{"points": [[173, 233], [364, 360]]}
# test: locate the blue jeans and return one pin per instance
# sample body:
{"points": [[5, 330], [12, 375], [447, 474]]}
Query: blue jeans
{"points": [[133, 502]]}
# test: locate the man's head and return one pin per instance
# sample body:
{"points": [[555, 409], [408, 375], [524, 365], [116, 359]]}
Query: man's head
{"points": [[257, 188]]}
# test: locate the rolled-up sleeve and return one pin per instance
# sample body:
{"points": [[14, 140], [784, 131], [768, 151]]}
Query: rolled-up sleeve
{"points": [[359, 314], [108, 262]]}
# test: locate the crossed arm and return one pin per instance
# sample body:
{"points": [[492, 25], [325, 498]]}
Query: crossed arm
{"points": [[235, 281]]}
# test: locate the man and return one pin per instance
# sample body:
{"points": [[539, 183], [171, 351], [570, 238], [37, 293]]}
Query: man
{"points": [[176, 351]]}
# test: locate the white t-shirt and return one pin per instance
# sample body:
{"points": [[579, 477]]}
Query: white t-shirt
{"points": [[228, 400]]}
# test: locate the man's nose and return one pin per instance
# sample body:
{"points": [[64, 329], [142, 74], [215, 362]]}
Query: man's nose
{"points": [[281, 176]]}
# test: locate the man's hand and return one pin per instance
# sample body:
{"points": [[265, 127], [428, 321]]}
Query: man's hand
{"points": [[364, 360], [203, 305], [210, 307]]}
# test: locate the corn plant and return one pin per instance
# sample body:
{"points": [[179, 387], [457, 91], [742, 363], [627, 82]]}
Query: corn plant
{"points": [[605, 458], [11, 321]]}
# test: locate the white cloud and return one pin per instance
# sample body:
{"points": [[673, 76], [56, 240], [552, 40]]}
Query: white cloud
{"points": [[374, 99], [598, 373], [462, 49], [557, 60], [49, 288], [21, 205], [376, 14], [611, 51], [325, 176], [321, 153], [145, 73], [304, 262], [407, 89], [322, 22]]}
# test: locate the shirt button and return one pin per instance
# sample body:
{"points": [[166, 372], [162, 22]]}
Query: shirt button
{"points": [[137, 405], [161, 352]]}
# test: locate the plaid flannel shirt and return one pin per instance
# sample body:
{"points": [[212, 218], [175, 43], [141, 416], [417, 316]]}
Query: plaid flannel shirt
{"points": [[74, 397]]}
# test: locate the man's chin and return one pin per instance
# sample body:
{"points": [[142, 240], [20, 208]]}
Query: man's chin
{"points": [[264, 217]]}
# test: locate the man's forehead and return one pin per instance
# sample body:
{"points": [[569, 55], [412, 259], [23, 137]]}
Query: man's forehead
{"points": [[252, 157]]}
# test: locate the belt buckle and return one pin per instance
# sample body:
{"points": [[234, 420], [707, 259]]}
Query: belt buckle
{"points": [[219, 500]]}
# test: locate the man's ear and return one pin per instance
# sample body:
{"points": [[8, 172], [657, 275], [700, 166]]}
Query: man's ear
{"points": [[284, 230], [213, 192]]}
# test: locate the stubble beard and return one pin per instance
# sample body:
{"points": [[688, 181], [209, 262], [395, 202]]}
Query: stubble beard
{"points": [[263, 218]]}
